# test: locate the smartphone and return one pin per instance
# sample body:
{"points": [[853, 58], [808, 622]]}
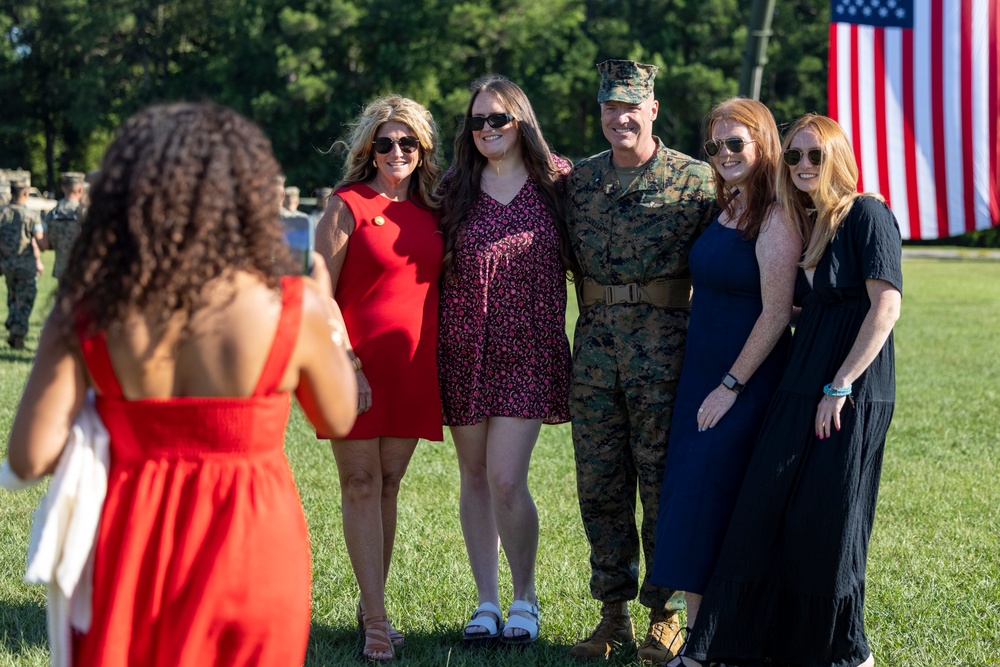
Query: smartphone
{"points": [[301, 238]]}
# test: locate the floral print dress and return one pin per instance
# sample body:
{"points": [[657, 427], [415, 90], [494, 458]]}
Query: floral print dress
{"points": [[502, 346]]}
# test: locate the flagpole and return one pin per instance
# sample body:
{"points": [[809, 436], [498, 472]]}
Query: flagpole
{"points": [[755, 54]]}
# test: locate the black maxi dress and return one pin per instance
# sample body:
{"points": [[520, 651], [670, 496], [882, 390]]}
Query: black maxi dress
{"points": [[789, 585]]}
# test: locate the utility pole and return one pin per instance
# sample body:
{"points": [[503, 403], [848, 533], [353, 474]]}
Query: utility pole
{"points": [[755, 55]]}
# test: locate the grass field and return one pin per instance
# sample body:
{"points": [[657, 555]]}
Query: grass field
{"points": [[933, 574]]}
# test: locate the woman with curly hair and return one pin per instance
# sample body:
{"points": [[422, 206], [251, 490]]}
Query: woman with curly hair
{"points": [[177, 311], [504, 355], [379, 237]]}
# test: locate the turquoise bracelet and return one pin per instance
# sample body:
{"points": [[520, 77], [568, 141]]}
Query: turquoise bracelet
{"points": [[830, 390]]}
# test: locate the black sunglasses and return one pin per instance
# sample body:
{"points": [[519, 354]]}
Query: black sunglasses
{"points": [[406, 144], [476, 123], [734, 144], [793, 156]]}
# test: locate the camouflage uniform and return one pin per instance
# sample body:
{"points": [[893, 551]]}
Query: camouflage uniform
{"points": [[62, 226], [18, 226], [627, 357]]}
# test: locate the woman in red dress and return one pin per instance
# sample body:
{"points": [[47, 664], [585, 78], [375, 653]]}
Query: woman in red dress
{"points": [[175, 311], [379, 236]]}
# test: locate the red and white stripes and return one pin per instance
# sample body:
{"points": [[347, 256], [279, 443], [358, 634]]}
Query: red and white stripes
{"points": [[921, 108]]}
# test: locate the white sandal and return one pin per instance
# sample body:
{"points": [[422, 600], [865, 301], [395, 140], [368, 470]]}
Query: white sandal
{"points": [[488, 616], [517, 621]]}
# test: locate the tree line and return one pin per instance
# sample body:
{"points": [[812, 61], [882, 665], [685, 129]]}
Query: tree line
{"points": [[72, 70]]}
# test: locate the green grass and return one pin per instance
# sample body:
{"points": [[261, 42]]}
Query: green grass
{"points": [[933, 572]]}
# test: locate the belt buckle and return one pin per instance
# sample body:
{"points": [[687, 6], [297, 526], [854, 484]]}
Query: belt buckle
{"points": [[615, 294]]}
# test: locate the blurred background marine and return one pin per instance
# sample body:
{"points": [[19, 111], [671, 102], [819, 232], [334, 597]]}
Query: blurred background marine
{"points": [[62, 223], [21, 262]]}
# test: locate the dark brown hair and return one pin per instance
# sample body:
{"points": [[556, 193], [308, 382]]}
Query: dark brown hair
{"points": [[758, 190], [463, 184], [186, 193]]}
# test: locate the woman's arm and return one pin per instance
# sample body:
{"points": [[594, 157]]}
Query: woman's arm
{"points": [[333, 233], [52, 398], [327, 388], [778, 249], [875, 330]]}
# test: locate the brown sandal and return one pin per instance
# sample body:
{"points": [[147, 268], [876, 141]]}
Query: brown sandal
{"points": [[378, 647], [395, 636]]}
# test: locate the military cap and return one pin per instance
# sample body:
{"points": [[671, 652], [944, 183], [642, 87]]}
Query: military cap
{"points": [[625, 81], [18, 183], [72, 177]]}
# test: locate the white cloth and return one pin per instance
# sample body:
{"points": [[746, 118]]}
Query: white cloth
{"points": [[10, 481], [64, 528]]}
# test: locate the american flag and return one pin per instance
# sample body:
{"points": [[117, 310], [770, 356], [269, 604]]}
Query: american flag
{"points": [[914, 85]]}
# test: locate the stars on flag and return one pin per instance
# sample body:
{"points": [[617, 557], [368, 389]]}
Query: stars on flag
{"points": [[864, 10]]}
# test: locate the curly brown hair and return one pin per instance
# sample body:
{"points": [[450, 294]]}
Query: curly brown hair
{"points": [[186, 194]]}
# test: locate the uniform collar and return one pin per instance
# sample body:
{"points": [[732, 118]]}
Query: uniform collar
{"points": [[649, 179]]}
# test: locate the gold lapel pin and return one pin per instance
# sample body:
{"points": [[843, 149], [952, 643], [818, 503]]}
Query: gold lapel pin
{"points": [[379, 221]]}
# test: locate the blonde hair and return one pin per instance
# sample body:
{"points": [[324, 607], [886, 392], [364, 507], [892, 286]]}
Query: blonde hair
{"points": [[835, 192], [358, 167]]}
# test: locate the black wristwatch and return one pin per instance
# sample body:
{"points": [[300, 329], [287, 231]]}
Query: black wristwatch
{"points": [[731, 383]]}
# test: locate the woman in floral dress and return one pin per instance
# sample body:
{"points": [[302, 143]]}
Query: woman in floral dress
{"points": [[503, 354]]}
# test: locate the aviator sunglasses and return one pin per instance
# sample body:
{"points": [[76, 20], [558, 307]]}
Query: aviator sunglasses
{"points": [[406, 144], [792, 156], [476, 123], [734, 144]]}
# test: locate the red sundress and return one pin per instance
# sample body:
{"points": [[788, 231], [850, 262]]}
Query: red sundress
{"points": [[202, 556]]}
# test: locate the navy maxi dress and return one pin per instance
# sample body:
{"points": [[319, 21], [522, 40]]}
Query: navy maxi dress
{"points": [[789, 584], [704, 470]]}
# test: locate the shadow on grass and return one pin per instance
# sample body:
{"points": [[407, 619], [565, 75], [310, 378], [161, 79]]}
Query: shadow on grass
{"points": [[7, 356], [22, 627], [342, 645]]}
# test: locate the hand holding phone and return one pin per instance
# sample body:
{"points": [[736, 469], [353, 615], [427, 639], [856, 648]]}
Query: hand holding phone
{"points": [[301, 238]]}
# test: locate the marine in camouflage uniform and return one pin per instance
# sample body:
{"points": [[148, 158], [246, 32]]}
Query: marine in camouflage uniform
{"points": [[62, 224], [20, 231], [632, 241]]}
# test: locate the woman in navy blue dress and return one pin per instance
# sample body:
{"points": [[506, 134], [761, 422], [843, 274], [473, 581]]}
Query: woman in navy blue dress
{"points": [[788, 588], [743, 269]]}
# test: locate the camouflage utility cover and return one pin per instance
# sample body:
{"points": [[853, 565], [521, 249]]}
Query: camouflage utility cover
{"points": [[625, 81]]}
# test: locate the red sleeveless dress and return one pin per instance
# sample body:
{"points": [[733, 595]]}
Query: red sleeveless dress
{"points": [[388, 293], [202, 555]]}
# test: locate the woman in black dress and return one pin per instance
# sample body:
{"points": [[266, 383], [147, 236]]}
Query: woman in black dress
{"points": [[789, 585]]}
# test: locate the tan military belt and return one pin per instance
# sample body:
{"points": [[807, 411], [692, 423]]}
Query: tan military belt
{"points": [[661, 293]]}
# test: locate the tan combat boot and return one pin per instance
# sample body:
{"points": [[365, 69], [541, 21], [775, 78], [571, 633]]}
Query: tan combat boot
{"points": [[614, 630], [663, 640]]}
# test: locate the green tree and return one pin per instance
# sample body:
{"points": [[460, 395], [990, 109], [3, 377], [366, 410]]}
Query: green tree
{"points": [[56, 83], [72, 70]]}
